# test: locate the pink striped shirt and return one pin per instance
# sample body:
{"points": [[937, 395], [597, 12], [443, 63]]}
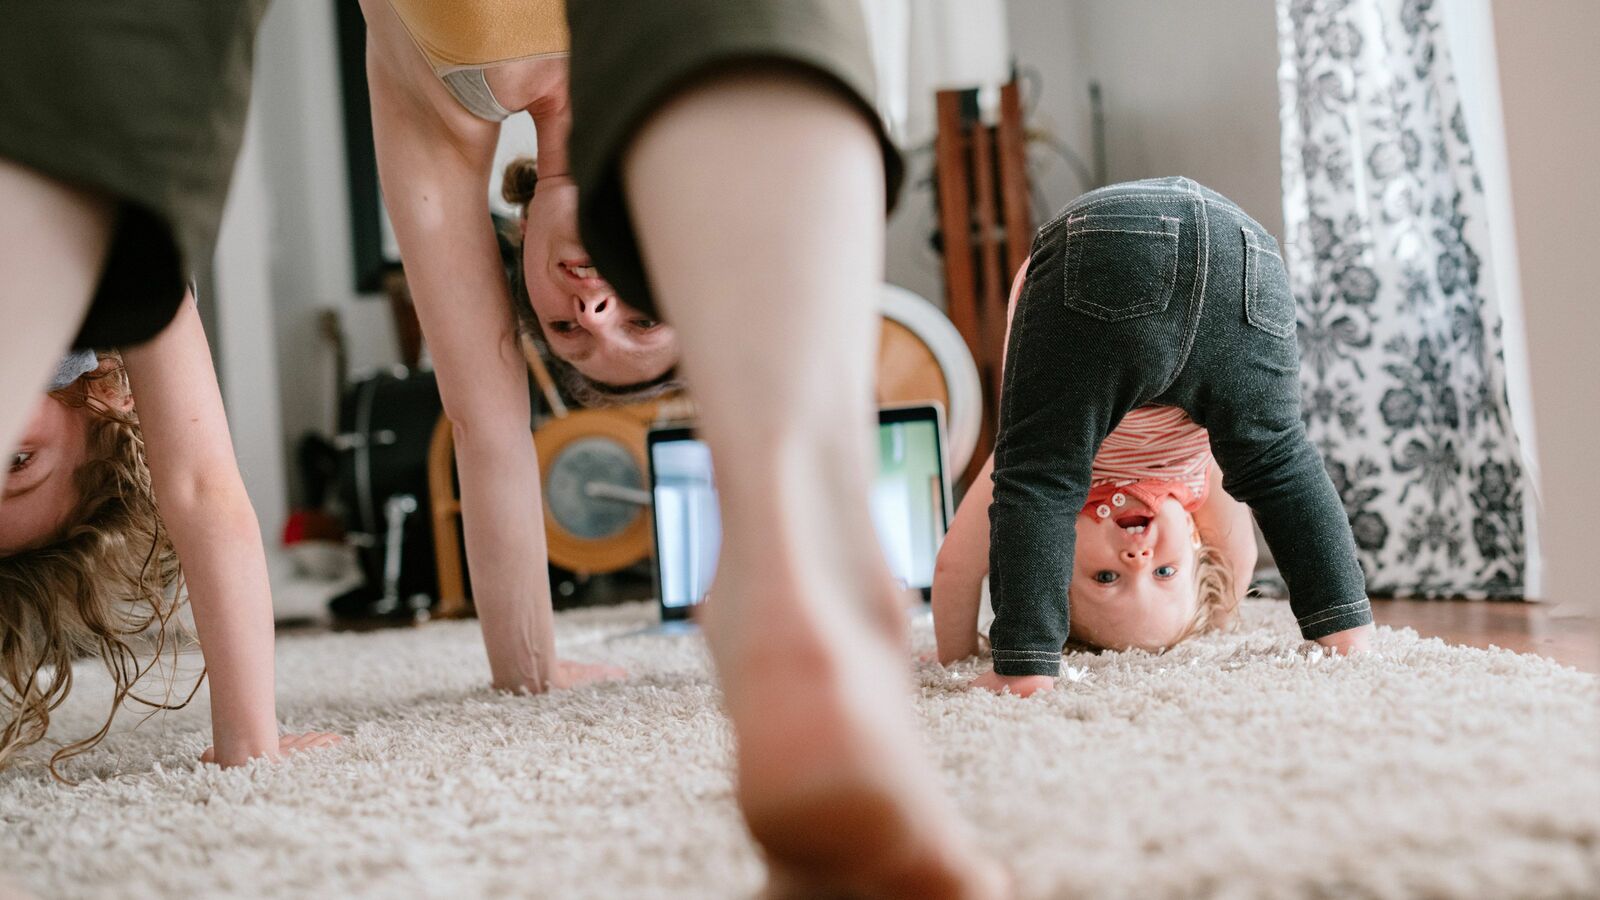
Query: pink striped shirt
{"points": [[1155, 443]]}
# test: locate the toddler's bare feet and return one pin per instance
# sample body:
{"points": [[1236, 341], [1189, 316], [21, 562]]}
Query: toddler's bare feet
{"points": [[831, 780], [1021, 685]]}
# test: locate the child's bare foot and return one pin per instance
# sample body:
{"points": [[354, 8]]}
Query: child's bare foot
{"points": [[1021, 685], [831, 780]]}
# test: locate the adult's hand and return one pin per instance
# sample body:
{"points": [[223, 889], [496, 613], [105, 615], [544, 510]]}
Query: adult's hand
{"points": [[571, 674], [288, 743]]}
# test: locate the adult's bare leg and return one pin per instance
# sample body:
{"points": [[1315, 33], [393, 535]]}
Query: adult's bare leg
{"points": [[53, 240], [758, 199]]}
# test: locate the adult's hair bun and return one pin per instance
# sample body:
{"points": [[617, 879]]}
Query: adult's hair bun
{"points": [[520, 177]]}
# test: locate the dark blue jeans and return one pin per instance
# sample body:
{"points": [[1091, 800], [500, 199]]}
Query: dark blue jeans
{"points": [[1155, 292]]}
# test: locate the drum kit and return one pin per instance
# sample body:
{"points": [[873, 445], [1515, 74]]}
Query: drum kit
{"points": [[402, 504]]}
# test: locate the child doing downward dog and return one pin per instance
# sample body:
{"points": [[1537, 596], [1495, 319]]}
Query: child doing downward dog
{"points": [[100, 506], [1161, 308], [1163, 553]]}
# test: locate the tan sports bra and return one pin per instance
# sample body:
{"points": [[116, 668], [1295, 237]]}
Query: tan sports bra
{"points": [[462, 38]]}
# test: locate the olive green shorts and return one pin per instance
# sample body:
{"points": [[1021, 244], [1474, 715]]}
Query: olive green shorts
{"points": [[142, 101], [630, 56]]}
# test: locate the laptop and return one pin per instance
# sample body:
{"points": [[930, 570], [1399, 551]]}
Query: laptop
{"points": [[911, 506]]}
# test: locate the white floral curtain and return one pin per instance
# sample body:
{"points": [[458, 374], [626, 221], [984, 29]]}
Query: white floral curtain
{"points": [[1402, 367]]}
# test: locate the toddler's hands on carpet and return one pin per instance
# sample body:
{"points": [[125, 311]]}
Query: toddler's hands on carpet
{"points": [[570, 674], [1351, 640], [287, 743], [1020, 685]]}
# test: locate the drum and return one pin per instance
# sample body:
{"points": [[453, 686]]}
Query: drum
{"points": [[385, 428]]}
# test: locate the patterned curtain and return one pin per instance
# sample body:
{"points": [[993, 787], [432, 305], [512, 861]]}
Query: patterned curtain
{"points": [[1402, 373]]}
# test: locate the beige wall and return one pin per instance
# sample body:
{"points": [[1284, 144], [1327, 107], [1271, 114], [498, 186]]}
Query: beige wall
{"points": [[1549, 70], [307, 219], [1190, 89]]}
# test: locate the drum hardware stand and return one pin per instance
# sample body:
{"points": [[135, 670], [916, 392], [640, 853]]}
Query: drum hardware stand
{"points": [[359, 441], [395, 512], [354, 441], [376, 447]]}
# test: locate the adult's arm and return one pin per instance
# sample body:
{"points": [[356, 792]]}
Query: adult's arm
{"points": [[434, 160]]}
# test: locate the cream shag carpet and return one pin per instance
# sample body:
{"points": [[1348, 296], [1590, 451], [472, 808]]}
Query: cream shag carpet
{"points": [[1236, 766]]}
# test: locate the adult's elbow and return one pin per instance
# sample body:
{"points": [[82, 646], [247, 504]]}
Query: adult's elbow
{"points": [[474, 429]]}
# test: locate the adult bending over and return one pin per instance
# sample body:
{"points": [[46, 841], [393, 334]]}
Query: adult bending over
{"points": [[727, 165], [441, 78]]}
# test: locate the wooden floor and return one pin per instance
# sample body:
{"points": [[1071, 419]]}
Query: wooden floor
{"points": [[1523, 627]]}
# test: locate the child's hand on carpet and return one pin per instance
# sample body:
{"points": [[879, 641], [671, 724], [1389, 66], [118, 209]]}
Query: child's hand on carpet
{"points": [[1351, 640], [571, 674], [287, 743], [1020, 685]]}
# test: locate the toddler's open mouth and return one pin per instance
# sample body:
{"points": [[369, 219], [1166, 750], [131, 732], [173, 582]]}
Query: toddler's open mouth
{"points": [[1133, 523]]}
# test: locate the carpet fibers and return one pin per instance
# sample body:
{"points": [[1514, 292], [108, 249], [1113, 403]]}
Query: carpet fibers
{"points": [[1238, 766]]}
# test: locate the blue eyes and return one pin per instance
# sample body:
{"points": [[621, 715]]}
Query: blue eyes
{"points": [[1107, 576]]}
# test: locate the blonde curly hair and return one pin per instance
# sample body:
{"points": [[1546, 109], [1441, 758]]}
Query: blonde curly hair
{"points": [[1218, 595], [106, 582]]}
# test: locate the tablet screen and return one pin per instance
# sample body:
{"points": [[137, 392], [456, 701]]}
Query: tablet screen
{"points": [[909, 505], [908, 499], [688, 526]]}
